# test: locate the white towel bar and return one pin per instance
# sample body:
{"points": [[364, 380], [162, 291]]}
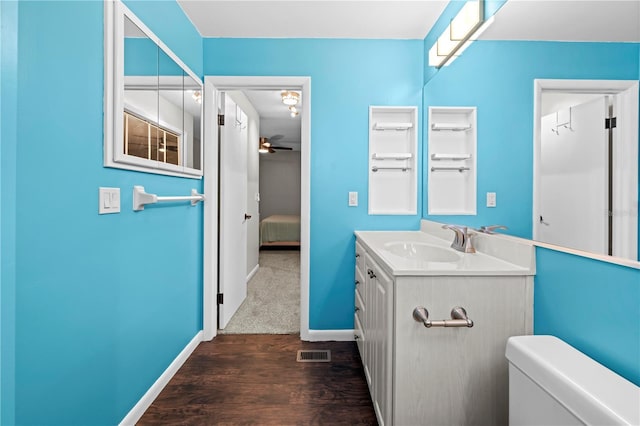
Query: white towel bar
{"points": [[141, 198]]}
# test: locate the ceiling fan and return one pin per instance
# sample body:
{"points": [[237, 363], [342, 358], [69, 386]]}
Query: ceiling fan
{"points": [[266, 145]]}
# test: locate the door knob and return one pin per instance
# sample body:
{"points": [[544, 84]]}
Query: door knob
{"points": [[247, 216]]}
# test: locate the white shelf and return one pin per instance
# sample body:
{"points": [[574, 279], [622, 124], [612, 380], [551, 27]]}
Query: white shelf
{"points": [[452, 169], [449, 168], [392, 126], [392, 156], [455, 127], [453, 157], [393, 147]]}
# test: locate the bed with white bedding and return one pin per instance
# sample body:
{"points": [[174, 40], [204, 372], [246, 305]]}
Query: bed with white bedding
{"points": [[280, 230]]}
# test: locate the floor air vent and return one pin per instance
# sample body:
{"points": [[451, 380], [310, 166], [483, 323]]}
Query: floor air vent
{"points": [[314, 356]]}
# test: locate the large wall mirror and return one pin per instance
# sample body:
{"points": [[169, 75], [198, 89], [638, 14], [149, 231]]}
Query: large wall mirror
{"points": [[153, 101], [546, 77]]}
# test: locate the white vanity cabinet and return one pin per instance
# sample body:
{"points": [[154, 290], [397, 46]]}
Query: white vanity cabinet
{"points": [[438, 375]]}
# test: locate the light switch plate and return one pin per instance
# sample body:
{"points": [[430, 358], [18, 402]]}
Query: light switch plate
{"points": [[491, 199], [109, 200], [353, 199]]}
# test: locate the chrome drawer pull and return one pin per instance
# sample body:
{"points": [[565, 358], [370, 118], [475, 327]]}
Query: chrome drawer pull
{"points": [[371, 274], [458, 318]]}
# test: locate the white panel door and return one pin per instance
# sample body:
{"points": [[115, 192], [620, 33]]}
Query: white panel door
{"points": [[573, 178], [233, 206]]}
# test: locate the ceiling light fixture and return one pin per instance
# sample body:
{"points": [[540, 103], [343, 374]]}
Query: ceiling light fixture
{"points": [[293, 111], [290, 98], [459, 34]]}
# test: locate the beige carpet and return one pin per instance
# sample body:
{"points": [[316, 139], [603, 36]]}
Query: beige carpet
{"points": [[272, 305]]}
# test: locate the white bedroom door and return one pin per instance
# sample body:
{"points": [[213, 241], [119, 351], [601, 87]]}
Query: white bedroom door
{"points": [[233, 208]]}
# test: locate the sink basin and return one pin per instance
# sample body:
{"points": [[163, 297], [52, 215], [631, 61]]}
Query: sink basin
{"points": [[422, 251]]}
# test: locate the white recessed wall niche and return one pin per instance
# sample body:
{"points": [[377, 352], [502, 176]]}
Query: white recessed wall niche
{"points": [[451, 168], [393, 144]]}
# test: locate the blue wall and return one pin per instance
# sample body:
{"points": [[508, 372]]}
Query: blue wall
{"points": [[103, 303], [346, 77], [497, 77], [167, 21], [8, 102], [593, 306]]}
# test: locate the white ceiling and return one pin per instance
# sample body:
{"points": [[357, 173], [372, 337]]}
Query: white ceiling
{"points": [[394, 19], [579, 20], [566, 20]]}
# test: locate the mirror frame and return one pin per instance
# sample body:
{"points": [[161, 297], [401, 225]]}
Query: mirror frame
{"points": [[611, 87], [114, 14]]}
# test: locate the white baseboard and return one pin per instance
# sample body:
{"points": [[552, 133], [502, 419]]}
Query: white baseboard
{"points": [[253, 272], [329, 335], [147, 399]]}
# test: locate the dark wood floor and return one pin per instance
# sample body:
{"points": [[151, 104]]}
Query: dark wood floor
{"points": [[255, 379]]}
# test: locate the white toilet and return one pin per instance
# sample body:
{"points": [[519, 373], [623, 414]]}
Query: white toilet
{"points": [[551, 383]]}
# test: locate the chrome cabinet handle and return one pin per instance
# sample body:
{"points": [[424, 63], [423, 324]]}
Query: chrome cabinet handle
{"points": [[357, 282], [356, 309], [458, 318], [371, 274], [357, 255], [247, 216]]}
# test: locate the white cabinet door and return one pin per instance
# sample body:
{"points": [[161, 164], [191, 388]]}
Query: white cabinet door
{"points": [[379, 322], [456, 375]]}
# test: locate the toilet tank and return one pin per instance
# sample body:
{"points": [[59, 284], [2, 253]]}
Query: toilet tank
{"points": [[552, 383]]}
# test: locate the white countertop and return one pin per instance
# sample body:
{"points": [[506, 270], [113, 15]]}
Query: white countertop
{"points": [[479, 263]]}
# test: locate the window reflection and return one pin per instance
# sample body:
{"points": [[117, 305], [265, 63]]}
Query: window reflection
{"points": [[144, 139]]}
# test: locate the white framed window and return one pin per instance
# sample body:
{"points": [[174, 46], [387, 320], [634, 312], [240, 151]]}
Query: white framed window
{"points": [[153, 101]]}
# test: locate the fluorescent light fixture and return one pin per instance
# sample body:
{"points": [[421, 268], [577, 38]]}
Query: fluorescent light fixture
{"points": [[458, 34]]}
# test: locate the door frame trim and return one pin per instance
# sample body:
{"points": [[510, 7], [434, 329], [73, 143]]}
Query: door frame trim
{"points": [[213, 85]]}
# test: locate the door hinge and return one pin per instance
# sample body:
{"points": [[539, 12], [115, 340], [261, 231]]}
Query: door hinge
{"points": [[220, 299], [220, 120], [610, 123]]}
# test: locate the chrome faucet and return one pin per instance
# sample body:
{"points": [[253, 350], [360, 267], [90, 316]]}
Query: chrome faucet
{"points": [[462, 239], [491, 228]]}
